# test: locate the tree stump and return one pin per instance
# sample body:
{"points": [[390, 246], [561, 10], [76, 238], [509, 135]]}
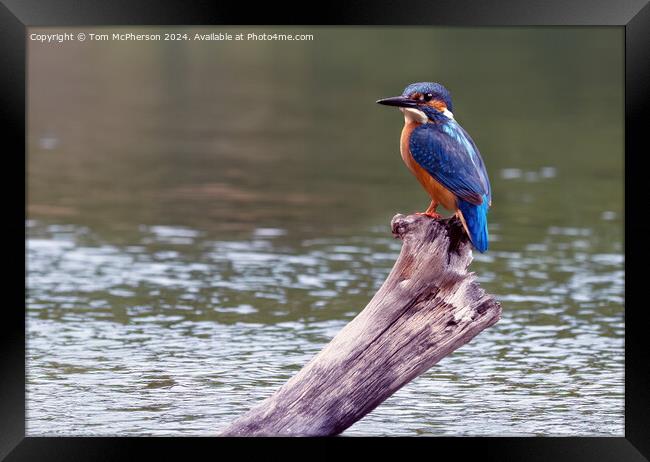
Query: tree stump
{"points": [[428, 307]]}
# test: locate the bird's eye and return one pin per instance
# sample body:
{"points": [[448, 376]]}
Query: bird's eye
{"points": [[427, 97]]}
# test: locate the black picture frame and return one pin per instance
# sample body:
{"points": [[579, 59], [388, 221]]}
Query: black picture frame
{"points": [[17, 15]]}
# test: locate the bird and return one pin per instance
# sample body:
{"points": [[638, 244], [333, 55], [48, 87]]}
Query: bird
{"points": [[444, 158]]}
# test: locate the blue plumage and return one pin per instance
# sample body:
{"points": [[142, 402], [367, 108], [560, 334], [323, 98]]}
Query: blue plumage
{"points": [[476, 219], [449, 155], [439, 147], [438, 91]]}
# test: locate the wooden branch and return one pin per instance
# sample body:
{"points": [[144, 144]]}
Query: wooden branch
{"points": [[428, 307]]}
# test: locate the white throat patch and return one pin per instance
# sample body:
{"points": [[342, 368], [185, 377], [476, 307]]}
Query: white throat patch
{"points": [[414, 115]]}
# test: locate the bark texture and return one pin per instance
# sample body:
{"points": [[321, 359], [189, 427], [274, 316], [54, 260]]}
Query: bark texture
{"points": [[429, 306]]}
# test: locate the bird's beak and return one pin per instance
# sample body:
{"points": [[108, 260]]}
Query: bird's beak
{"points": [[399, 101]]}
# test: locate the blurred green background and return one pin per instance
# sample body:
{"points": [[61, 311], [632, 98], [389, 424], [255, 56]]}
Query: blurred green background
{"points": [[270, 164]]}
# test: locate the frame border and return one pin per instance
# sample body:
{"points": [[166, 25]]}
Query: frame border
{"points": [[633, 15]]}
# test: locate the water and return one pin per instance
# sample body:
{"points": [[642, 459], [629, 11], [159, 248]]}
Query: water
{"points": [[204, 218]]}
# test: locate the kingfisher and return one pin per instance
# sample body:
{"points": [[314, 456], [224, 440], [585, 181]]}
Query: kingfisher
{"points": [[444, 158]]}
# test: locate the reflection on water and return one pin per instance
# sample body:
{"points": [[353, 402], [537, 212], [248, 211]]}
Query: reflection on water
{"points": [[203, 221], [153, 330]]}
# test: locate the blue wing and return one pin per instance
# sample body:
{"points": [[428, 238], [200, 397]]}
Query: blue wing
{"points": [[450, 156]]}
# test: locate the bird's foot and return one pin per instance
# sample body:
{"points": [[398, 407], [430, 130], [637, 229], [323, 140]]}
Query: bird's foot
{"points": [[434, 215]]}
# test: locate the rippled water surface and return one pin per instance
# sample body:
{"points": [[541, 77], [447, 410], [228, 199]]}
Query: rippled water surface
{"points": [[204, 218]]}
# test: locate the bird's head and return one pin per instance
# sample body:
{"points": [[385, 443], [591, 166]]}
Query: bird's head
{"points": [[422, 101]]}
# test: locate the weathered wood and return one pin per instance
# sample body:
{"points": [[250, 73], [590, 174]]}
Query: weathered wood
{"points": [[428, 307]]}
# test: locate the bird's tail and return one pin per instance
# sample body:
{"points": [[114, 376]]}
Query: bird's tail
{"points": [[474, 219]]}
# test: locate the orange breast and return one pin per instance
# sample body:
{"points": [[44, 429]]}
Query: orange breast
{"points": [[437, 191]]}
